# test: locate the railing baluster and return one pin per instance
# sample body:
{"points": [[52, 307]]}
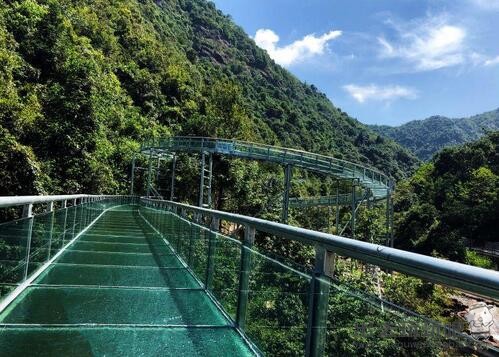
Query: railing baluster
{"points": [[28, 213], [244, 276], [210, 266], [318, 302]]}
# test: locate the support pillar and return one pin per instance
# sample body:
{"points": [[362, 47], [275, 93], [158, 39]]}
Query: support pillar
{"points": [[201, 180], [337, 207], [205, 180], [210, 178], [354, 199], [389, 218], [157, 175], [172, 183], [132, 176], [149, 173], [288, 172]]}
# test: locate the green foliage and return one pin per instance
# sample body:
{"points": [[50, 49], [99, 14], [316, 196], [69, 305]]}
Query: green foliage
{"points": [[82, 83], [451, 200], [474, 258], [426, 137]]}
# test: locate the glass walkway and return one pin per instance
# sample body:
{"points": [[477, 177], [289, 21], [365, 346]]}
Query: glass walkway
{"points": [[133, 276], [119, 289]]}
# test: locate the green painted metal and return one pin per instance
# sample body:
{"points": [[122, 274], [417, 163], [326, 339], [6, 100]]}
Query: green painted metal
{"points": [[205, 179], [132, 175], [139, 295], [149, 173], [367, 177], [212, 246], [288, 175], [172, 182], [244, 277], [318, 304], [149, 279]]}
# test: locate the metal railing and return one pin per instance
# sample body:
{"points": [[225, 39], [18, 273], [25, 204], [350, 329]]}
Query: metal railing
{"points": [[367, 176], [472, 279], [31, 242], [480, 281]]}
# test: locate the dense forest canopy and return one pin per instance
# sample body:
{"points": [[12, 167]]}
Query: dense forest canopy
{"points": [[426, 137], [451, 200], [84, 82]]}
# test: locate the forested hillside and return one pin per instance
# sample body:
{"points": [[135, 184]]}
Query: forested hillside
{"points": [[452, 199], [425, 137], [84, 82]]}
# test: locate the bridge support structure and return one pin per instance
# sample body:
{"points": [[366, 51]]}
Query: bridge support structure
{"points": [[288, 175]]}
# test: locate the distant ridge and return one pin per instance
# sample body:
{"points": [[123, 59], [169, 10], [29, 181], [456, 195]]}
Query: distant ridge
{"points": [[425, 137]]}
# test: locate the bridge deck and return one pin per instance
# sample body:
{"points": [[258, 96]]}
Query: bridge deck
{"points": [[118, 290]]}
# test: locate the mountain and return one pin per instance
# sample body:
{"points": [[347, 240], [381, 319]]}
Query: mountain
{"points": [[425, 137], [452, 199], [84, 82]]}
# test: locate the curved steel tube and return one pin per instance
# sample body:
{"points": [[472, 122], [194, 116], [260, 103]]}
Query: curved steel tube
{"points": [[367, 177]]}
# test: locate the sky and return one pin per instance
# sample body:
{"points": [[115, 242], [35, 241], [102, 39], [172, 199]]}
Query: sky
{"points": [[384, 62]]}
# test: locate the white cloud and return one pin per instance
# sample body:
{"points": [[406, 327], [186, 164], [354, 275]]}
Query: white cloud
{"points": [[377, 93], [478, 59], [486, 4], [307, 47], [427, 45], [491, 61]]}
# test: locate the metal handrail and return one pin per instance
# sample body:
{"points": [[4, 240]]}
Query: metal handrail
{"points": [[10, 201], [461, 276], [366, 175]]}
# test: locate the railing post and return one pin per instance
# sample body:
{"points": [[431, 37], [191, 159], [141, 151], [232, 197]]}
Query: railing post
{"points": [[149, 173], [75, 209], [172, 184], [244, 276], [352, 224], [132, 179], [287, 187], [389, 218], [201, 180], [65, 207], [28, 213], [50, 208], [210, 178], [212, 241], [337, 223], [318, 302]]}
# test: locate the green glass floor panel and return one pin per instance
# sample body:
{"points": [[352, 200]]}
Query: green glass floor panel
{"points": [[80, 305], [121, 239], [105, 258], [124, 233], [122, 342], [114, 247], [118, 276]]}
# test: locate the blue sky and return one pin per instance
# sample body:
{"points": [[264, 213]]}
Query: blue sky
{"points": [[384, 62]]}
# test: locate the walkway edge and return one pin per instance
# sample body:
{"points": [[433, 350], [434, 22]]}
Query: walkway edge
{"points": [[17, 291]]}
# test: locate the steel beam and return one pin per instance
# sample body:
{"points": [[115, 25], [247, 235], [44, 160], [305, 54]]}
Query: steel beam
{"points": [[288, 172], [132, 175], [149, 174], [172, 183], [201, 179]]}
